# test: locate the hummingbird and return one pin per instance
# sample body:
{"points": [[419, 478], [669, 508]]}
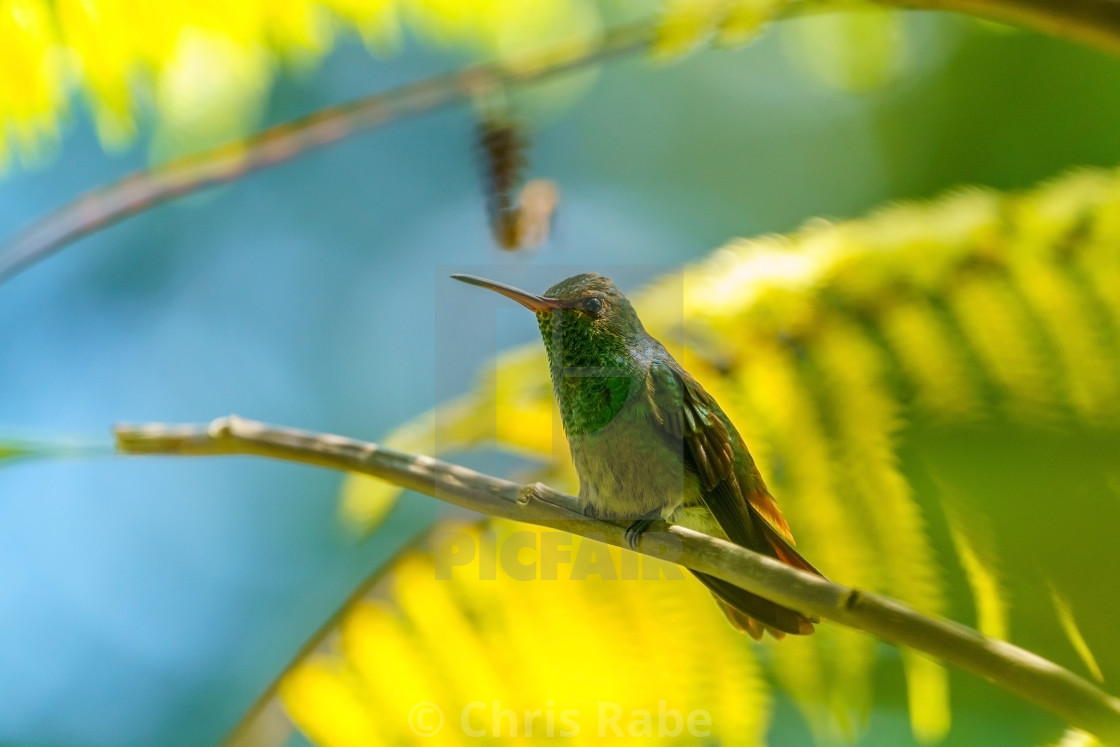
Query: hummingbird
{"points": [[649, 442]]}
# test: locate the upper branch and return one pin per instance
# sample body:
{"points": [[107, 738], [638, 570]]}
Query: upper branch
{"points": [[1092, 22], [1043, 682]]}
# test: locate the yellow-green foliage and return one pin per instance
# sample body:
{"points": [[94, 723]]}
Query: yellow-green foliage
{"points": [[686, 24], [207, 65], [827, 348], [1077, 738], [443, 636], [204, 68]]}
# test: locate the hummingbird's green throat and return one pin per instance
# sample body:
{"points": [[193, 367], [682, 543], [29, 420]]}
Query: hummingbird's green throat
{"points": [[648, 442], [588, 328]]}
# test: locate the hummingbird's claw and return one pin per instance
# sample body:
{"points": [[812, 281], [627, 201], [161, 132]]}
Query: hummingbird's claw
{"points": [[635, 531]]}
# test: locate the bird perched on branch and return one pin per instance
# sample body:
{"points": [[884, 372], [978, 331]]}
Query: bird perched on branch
{"points": [[648, 442]]}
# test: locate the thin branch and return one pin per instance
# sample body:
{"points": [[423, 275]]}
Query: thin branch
{"points": [[1095, 23], [1092, 22], [143, 190], [1038, 680]]}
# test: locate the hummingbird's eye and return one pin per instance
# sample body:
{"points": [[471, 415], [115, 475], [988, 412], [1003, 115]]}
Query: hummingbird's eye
{"points": [[593, 305]]}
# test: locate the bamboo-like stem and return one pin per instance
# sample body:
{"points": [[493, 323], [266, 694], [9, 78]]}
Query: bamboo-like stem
{"points": [[1092, 22], [1017, 670]]}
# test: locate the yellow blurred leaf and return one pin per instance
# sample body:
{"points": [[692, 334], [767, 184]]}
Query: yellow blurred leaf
{"points": [[208, 66], [328, 705], [1077, 738], [1073, 633], [974, 545], [507, 630], [367, 501], [686, 24], [32, 78], [927, 685], [745, 18]]}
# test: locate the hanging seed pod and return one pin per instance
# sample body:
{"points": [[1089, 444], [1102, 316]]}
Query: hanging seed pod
{"points": [[536, 207], [503, 153], [526, 221]]}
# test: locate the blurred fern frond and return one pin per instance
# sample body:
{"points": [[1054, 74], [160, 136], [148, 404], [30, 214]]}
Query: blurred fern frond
{"points": [[205, 67], [437, 652], [203, 63], [973, 541], [1077, 738], [687, 24], [210, 82], [838, 351]]}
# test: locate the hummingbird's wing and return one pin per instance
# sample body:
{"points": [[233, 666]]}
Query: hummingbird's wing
{"points": [[731, 489], [690, 419]]}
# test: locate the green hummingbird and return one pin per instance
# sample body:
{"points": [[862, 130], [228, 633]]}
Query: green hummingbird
{"points": [[648, 442]]}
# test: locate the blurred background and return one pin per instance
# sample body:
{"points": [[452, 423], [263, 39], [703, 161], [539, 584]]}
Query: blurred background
{"points": [[150, 601]]}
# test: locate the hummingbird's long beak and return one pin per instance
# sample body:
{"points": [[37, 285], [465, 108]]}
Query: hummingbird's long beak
{"points": [[528, 300]]}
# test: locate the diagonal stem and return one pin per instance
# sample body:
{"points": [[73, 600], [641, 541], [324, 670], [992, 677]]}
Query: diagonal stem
{"points": [[143, 190], [1017, 670]]}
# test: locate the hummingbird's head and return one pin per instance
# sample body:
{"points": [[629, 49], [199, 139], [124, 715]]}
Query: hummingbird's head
{"points": [[585, 320]]}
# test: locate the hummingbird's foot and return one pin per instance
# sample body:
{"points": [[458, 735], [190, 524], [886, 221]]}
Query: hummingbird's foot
{"points": [[635, 531]]}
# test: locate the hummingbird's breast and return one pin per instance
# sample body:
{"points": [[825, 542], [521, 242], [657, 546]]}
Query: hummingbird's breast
{"points": [[627, 469]]}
